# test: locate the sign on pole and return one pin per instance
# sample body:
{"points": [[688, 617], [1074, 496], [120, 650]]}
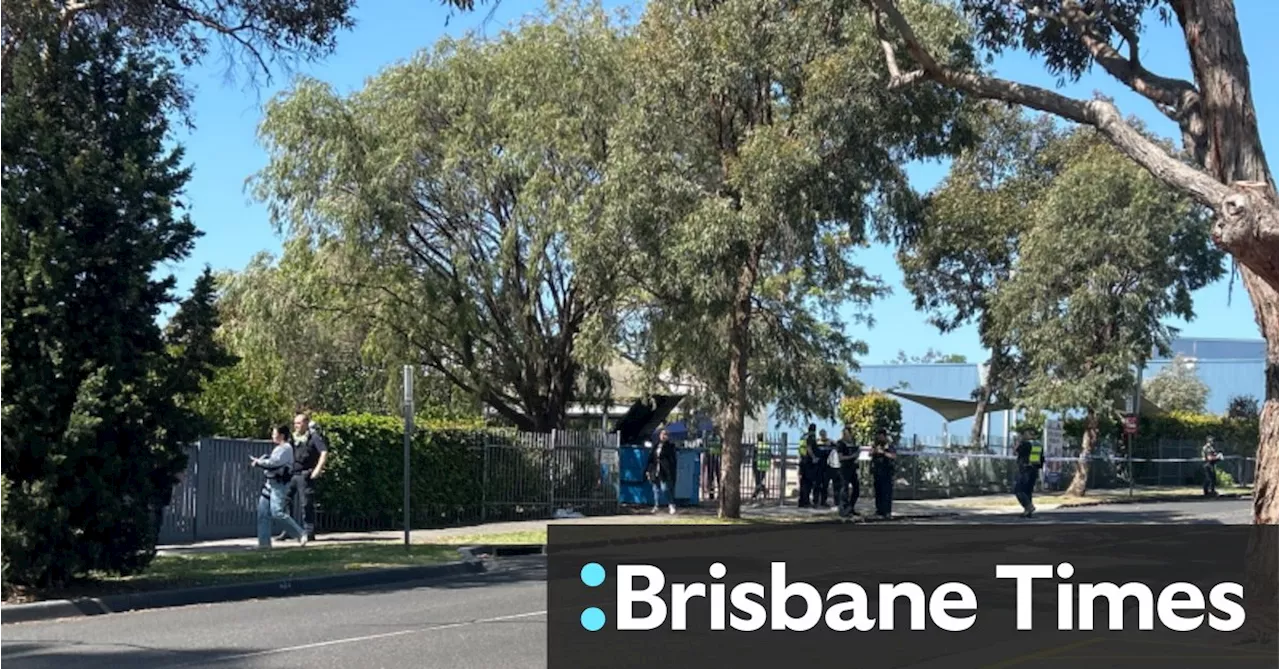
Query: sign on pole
{"points": [[408, 441], [1130, 424], [1054, 439]]}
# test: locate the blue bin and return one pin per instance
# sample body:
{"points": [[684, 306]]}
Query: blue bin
{"points": [[633, 488]]}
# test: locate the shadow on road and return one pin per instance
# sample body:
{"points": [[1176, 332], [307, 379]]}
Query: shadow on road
{"points": [[39, 654]]}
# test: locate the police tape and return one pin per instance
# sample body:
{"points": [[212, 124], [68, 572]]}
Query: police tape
{"points": [[1092, 458]]}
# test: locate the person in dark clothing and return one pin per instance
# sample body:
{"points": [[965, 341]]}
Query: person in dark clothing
{"points": [[883, 457], [661, 472], [309, 454], [808, 443], [822, 478], [1030, 457], [846, 476], [711, 465], [1211, 457]]}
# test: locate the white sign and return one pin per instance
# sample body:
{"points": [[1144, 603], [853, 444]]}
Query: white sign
{"points": [[1053, 442]]}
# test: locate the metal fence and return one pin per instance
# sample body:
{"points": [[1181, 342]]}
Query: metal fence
{"points": [[762, 473], [931, 474], [513, 476]]}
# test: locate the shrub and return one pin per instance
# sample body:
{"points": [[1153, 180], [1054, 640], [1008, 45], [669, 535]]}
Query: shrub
{"points": [[867, 413], [7, 536], [363, 482]]}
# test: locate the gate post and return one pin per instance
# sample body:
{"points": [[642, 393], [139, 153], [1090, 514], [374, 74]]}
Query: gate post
{"points": [[782, 471]]}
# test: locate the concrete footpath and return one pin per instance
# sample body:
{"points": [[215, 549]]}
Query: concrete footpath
{"points": [[957, 507], [480, 545]]}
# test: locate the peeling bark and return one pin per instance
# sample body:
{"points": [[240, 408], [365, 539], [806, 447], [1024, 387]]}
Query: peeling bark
{"points": [[1080, 480]]}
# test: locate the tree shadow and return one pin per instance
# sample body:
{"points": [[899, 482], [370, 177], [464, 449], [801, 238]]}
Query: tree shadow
{"points": [[59, 654]]}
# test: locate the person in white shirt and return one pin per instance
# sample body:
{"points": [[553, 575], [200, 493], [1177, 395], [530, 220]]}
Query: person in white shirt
{"points": [[277, 468]]}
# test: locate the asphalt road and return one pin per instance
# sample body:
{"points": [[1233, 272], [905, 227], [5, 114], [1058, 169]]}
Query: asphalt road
{"points": [[485, 621]]}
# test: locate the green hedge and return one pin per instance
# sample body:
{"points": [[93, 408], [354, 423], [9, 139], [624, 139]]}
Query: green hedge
{"points": [[1234, 436], [454, 477]]}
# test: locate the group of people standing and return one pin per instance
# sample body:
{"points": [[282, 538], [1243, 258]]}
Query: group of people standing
{"points": [[829, 471], [296, 460]]}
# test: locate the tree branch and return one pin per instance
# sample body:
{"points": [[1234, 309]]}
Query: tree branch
{"points": [[1100, 114]]}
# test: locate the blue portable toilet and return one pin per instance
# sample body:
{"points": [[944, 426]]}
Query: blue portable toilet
{"points": [[639, 425]]}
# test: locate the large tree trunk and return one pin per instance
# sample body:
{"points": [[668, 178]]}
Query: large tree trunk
{"points": [[1221, 131], [1234, 155], [1080, 481], [736, 407]]}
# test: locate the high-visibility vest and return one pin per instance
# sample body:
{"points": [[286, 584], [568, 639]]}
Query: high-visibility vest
{"points": [[762, 456], [1037, 454], [714, 446]]}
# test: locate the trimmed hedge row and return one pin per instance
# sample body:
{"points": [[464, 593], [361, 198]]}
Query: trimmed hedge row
{"points": [[454, 478], [1234, 436]]}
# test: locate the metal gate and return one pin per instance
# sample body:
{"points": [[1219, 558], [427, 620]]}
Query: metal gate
{"points": [[537, 476], [762, 474], [217, 495]]}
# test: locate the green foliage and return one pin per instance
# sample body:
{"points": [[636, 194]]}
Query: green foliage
{"points": [[865, 414], [1243, 407], [1110, 254], [930, 357], [760, 152], [1176, 387], [362, 485], [438, 206], [1233, 436], [97, 399], [8, 528]]}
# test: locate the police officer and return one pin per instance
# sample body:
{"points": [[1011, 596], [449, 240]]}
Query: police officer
{"points": [[309, 454], [808, 444], [883, 457], [1030, 456], [711, 465], [846, 476], [761, 468], [821, 472], [1211, 457]]}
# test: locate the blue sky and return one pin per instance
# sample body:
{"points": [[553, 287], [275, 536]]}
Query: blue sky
{"points": [[223, 150]]}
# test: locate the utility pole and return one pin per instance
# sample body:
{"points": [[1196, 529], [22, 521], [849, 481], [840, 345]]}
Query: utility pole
{"points": [[1137, 411], [408, 442]]}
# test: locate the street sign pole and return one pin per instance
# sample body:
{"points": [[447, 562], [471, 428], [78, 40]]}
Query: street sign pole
{"points": [[408, 441], [1137, 411]]}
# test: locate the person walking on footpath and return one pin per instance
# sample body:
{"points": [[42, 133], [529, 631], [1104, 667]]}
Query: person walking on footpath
{"points": [[661, 472], [1211, 457], [1030, 456], [310, 451], [883, 457], [845, 474], [276, 469]]}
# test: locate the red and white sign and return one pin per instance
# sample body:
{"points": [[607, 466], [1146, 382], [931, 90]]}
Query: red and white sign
{"points": [[1130, 424]]}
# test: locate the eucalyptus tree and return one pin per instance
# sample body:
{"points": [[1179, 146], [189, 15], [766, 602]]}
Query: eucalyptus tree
{"points": [[760, 152]]}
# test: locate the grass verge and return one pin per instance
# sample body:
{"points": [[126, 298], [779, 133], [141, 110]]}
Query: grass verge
{"points": [[223, 567]]}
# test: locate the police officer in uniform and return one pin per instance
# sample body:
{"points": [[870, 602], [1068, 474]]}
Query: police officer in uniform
{"points": [[761, 468], [808, 444], [883, 457], [846, 476], [1211, 457], [821, 472], [1030, 455], [309, 454]]}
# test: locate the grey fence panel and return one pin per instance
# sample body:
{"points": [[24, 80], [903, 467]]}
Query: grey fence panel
{"points": [[228, 488], [179, 521]]}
